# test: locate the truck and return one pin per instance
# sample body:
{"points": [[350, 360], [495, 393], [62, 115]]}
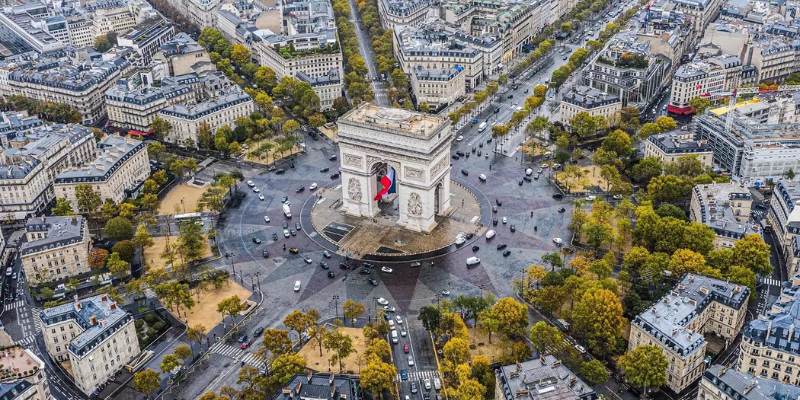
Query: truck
{"points": [[482, 127], [287, 212]]}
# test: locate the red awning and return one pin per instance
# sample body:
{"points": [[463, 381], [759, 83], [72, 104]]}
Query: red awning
{"points": [[680, 110], [134, 132]]}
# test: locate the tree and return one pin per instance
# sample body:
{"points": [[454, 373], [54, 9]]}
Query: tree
{"points": [[430, 317], [566, 26], [118, 228], [619, 142], [546, 338], [512, 315], [381, 349], [470, 389], [456, 351], [190, 241], [205, 140], [378, 376], [62, 207], [184, 352], [751, 252], [341, 344], [666, 123], [141, 238], [352, 309], [195, 333], [125, 250], [299, 321], [670, 189], [117, 266], [277, 341], [103, 43], [240, 55], [699, 104], [160, 128], [597, 317], [585, 124], [284, 367], [230, 306], [594, 372], [649, 129], [97, 257], [646, 169], [146, 381], [88, 200], [644, 367]]}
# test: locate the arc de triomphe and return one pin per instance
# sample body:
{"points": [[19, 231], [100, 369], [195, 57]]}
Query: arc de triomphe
{"points": [[373, 139]]}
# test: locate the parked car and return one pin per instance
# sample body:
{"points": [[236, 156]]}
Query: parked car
{"points": [[294, 250], [256, 240]]}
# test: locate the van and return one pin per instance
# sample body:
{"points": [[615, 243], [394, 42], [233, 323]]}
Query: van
{"points": [[437, 384], [482, 127], [394, 336], [473, 261], [287, 212]]}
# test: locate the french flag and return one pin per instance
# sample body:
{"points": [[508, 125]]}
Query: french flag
{"points": [[387, 181]]}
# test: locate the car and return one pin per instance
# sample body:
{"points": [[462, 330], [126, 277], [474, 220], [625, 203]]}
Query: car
{"points": [[437, 384], [324, 170], [256, 240], [405, 348], [460, 239], [386, 270], [365, 271], [414, 388], [562, 210], [297, 226], [475, 249], [527, 179], [558, 196], [372, 282], [294, 250], [403, 333], [274, 236], [391, 325], [389, 309], [404, 374], [505, 220], [261, 197], [498, 202], [511, 96], [473, 261], [528, 172], [300, 189], [460, 153], [323, 265], [464, 172], [501, 246], [286, 233], [331, 274], [520, 182], [512, 228], [250, 183], [296, 286], [258, 331], [617, 197], [332, 158], [265, 253], [285, 200], [459, 138], [399, 319], [292, 232], [410, 360], [558, 241], [480, 152], [455, 157], [415, 264], [445, 293], [494, 209], [308, 260], [426, 383], [382, 301], [482, 177], [591, 197], [313, 186], [244, 346], [266, 219], [506, 253], [280, 171], [256, 190], [335, 176], [243, 339]]}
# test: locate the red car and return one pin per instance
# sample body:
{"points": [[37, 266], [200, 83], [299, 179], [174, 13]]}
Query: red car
{"points": [[244, 345], [405, 347]]}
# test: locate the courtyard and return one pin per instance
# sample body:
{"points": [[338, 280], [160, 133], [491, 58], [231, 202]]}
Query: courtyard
{"points": [[204, 313], [181, 199], [152, 254]]}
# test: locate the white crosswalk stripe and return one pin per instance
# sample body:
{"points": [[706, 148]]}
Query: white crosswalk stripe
{"points": [[238, 354], [420, 375], [36, 321], [27, 341], [770, 281], [13, 305]]}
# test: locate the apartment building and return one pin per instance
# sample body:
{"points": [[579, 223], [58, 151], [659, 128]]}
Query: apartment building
{"points": [[703, 78], [23, 374], [183, 55], [544, 376], [55, 249], [723, 383], [80, 84], [770, 346], [588, 100], [111, 16], [670, 146], [57, 146], [395, 13], [700, 12], [25, 189], [94, 335], [698, 305], [628, 69], [134, 104], [667, 33], [146, 38], [200, 11], [320, 386], [328, 87], [437, 88], [725, 208], [214, 113], [23, 22], [121, 167], [784, 219]]}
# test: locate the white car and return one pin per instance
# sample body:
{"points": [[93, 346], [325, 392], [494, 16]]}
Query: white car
{"points": [[445, 292], [286, 233], [250, 183], [558, 241], [410, 360], [459, 138], [266, 219], [505, 220], [529, 172], [482, 177], [388, 308], [261, 197], [296, 286], [382, 301], [313, 186], [460, 239], [386, 269], [490, 234], [427, 383], [403, 333], [591, 197], [391, 323], [399, 319], [256, 190], [473, 261]]}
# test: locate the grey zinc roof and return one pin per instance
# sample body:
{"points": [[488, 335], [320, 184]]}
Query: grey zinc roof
{"points": [[18, 170], [672, 143], [777, 329], [749, 387], [170, 87], [667, 319], [196, 111], [320, 386], [114, 150], [589, 97], [12, 390], [543, 378], [716, 212], [331, 77], [99, 316], [63, 73], [59, 231], [181, 43]]}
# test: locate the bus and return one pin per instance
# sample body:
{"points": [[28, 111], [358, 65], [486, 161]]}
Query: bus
{"points": [[188, 216]]}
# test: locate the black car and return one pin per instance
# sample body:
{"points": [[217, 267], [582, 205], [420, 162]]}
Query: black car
{"points": [[475, 249], [258, 331], [365, 271], [497, 201], [511, 96], [489, 140], [494, 209], [285, 199], [332, 158], [479, 152], [460, 153], [470, 235], [464, 172], [513, 228], [326, 254], [331, 274], [527, 178], [256, 240], [497, 110], [501, 246], [265, 253], [275, 236], [558, 196], [474, 150], [335, 175], [323, 265], [520, 182], [506, 253], [455, 156], [300, 189], [292, 232], [243, 338], [285, 225], [562, 210], [294, 250], [344, 266], [373, 282], [324, 170], [280, 171], [494, 222]]}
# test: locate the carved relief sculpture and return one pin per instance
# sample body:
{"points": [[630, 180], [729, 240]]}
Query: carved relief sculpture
{"points": [[354, 189], [352, 160], [413, 173], [414, 205]]}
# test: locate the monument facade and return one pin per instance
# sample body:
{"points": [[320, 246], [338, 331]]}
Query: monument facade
{"points": [[390, 154]]}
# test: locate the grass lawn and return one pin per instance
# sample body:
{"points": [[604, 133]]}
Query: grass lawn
{"points": [[271, 157], [152, 254], [590, 178], [171, 203], [480, 340], [205, 312], [351, 364]]}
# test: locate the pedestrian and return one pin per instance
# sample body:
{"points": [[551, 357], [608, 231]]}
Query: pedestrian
{"points": [[535, 228], [531, 213], [284, 247]]}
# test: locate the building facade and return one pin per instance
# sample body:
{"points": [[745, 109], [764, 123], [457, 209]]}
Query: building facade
{"points": [[784, 220], [23, 375], [703, 78], [186, 120], [725, 208], [722, 383], [55, 249], [671, 146], [545, 376], [588, 100]]}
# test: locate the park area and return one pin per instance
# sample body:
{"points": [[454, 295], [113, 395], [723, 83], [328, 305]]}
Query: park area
{"points": [[258, 152], [500, 349], [181, 199], [152, 254], [582, 182], [205, 314], [321, 364]]}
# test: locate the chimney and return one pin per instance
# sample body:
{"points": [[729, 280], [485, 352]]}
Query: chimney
{"points": [[77, 303], [113, 306], [104, 298], [94, 320]]}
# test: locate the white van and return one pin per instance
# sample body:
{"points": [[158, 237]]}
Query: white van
{"points": [[482, 127], [287, 211], [394, 336], [473, 261], [490, 234]]}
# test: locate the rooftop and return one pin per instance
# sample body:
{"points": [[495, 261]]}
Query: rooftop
{"points": [[678, 141], [12, 391], [98, 316], [396, 120], [58, 231], [589, 97], [181, 43], [199, 110], [748, 387], [719, 208], [170, 87], [667, 319], [543, 378], [435, 39], [114, 150], [64, 74], [320, 387], [776, 329]]}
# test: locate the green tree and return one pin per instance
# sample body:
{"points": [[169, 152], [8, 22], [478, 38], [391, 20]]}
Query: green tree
{"points": [[118, 228], [230, 306], [117, 266], [649, 129], [646, 169], [751, 252], [430, 316], [160, 128], [125, 250], [546, 338], [298, 321], [597, 317], [352, 309], [169, 363], [594, 372], [666, 123], [184, 352], [190, 241], [378, 376], [644, 367], [146, 381], [88, 200], [205, 140], [284, 367], [619, 142], [277, 341], [340, 344], [585, 124], [699, 104], [62, 207], [142, 238]]}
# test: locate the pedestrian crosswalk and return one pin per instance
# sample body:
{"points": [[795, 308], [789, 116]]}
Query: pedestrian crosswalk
{"points": [[420, 375], [12, 305], [28, 341], [770, 281], [236, 353]]}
